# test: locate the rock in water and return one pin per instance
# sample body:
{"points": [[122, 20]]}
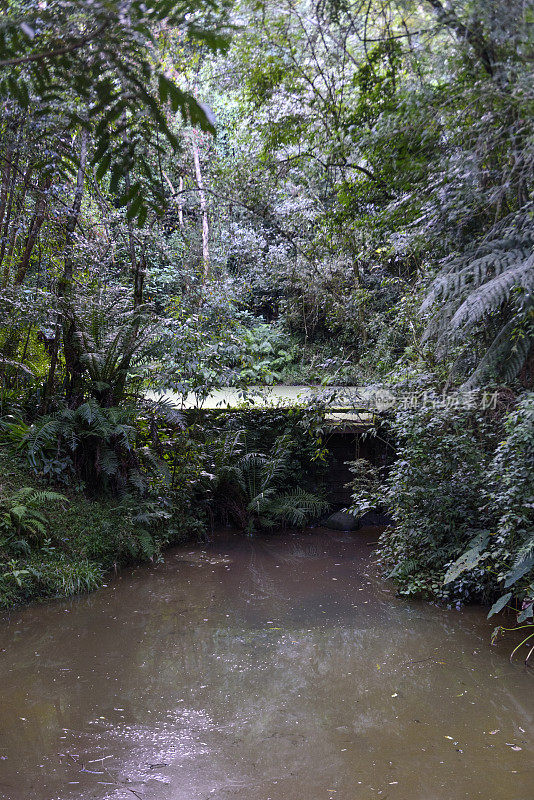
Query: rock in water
{"points": [[375, 518], [341, 521]]}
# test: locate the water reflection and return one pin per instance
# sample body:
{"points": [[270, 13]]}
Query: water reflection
{"points": [[276, 668]]}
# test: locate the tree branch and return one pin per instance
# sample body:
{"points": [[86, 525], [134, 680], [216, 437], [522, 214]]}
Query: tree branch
{"points": [[483, 49], [60, 51]]}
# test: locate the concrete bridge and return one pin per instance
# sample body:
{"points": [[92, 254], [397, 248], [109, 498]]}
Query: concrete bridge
{"points": [[351, 417], [347, 406]]}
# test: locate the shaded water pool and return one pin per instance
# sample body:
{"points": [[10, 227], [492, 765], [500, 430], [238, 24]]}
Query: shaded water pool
{"points": [[276, 668]]}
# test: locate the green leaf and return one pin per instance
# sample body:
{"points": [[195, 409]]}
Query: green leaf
{"points": [[141, 219], [19, 90], [103, 167], [163, 88], [116, 174], [134, 207], [527, 613], [499, 604], [467, 560], [130, 195], [519, 570]]}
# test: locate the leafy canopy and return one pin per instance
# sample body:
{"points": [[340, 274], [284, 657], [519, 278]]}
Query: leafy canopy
{"points": [[99, 65]]}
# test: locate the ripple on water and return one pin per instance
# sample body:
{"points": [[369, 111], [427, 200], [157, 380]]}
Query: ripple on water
{"points": [[277, 668]]}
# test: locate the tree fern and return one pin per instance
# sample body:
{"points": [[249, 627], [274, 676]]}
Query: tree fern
{"points": [[109, 341], [490, 297], [98, 444], [508, 353], [492, 280]]}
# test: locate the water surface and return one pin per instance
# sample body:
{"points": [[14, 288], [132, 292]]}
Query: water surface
{"points": [[277, 668]]}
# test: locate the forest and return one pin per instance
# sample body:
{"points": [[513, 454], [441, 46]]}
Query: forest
{"points": [[207, 194]]}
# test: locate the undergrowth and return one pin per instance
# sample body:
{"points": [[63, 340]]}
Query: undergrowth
{"points": [[79, 538]]}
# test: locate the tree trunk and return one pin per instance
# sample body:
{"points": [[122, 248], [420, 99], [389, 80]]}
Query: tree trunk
{"points": [[471, 33], [72, 362], [115, 395], [72, 365], [6, 221], [12, 341], [181, 203], [204, 214], [33, 232], [179, 198], [137, 265], [6, 176], [74, 212], [526, 375]]}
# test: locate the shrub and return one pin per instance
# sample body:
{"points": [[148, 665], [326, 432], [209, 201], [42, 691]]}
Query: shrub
{"points": [[22, 523], [94, 444], [506, 552], [434, 492], [463, 504]]}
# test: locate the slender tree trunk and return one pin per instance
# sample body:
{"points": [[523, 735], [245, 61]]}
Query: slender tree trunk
{"points": [[526, 375], [181, 203], [137, 265], [49, 386], [139, 280], [179, 198], [471, 33], [138, 269], [33, 232], [204, 213], [15, 227], [74, 212], [72, 365], [6, 176], [72, 362], [6, 218], [12, 341]]}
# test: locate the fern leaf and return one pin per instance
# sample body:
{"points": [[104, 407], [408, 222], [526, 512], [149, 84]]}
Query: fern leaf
{"points": [[490, 297]]}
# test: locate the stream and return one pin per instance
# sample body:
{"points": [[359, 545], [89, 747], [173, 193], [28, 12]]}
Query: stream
{"points": [[272, 668]]}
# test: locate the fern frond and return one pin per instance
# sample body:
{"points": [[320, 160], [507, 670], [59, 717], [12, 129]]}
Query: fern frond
{"points": [[491, 280], [490, 297], [296, 507], [165, 409], [457, 282], [503, 358], [109, 463]]}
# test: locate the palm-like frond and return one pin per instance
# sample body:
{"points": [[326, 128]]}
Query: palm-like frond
{"points": [[20, 513], [110, 340], [508, 353], [37, 497], [249, 484], [164, 408], [296, 507], [494, 280], [98, 443], [489, 297]]}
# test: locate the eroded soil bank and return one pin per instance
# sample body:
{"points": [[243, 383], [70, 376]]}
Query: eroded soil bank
{"points": [[275, 668]]}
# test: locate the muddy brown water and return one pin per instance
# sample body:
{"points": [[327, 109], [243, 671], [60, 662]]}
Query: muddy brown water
{"points": [[276, 668]]}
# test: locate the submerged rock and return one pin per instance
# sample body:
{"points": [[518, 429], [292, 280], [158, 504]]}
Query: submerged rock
{"points": [[342, 521], [375, 518]]}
